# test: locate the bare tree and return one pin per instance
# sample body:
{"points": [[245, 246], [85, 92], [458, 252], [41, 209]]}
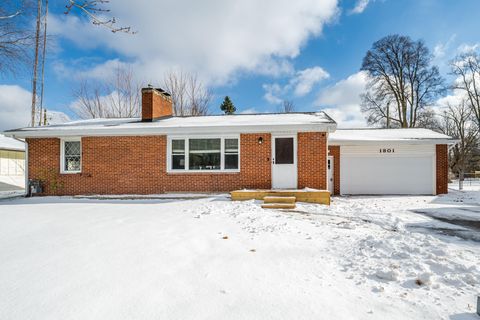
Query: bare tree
{"points": [[467, 69], [401, 82], [89, 102], [16, 35], [94, 9], [91, 8], [117, 97], [458, 124], [377, 106], [287, 106], [189, 95], [428, 119]]}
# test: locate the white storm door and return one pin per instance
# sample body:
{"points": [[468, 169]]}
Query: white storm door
{"points": [[330, 174], [284, 162]]}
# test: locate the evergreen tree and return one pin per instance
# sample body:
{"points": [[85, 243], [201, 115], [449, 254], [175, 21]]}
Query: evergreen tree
{"points": [[227, 106]]}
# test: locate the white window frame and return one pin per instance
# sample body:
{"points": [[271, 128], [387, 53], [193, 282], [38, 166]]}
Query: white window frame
{"points": [[187, 145], [62, 155]]}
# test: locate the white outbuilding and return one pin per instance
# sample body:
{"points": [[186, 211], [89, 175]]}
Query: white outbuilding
{"points": [[12, 161]]}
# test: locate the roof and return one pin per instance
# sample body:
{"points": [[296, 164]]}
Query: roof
{"points": [[371, 136], [11, 144], [241, 123]]}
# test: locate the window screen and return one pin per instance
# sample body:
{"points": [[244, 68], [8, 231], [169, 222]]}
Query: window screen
{"points": [[72, 156], [284, 150]]}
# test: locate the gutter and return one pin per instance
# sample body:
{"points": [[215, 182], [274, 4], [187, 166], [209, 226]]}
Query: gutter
{"points": [[334, 142], [152, 131]]}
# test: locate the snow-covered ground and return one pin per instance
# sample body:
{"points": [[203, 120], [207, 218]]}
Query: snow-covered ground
{"points": [[210, 258]]}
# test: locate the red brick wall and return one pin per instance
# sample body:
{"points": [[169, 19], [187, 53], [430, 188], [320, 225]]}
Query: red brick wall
{"points": [[312, 160], [137, 165], [442, 168], [335, 152], [155, 105]]}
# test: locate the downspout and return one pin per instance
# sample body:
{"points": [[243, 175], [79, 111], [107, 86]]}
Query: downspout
{"points": [[27, 187]]}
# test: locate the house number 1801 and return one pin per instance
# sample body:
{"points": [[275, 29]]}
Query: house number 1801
{"points": [[387, 150]]}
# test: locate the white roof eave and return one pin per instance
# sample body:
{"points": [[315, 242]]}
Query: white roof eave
{"points": [[12, 149], [370, 142], [153, 130]]}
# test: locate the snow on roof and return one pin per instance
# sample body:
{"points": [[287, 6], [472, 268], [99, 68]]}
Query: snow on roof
{"points": [[11, 144], [218, 123], [417, 135]]}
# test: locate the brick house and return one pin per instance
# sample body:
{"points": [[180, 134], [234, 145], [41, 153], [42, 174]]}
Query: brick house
{"points": [[160, 153]]}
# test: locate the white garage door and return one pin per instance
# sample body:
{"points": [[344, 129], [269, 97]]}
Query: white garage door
{"points": [[387, 170], [12, 163]]}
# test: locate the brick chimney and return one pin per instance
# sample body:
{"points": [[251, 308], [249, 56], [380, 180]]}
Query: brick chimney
{"points": [[156, 103]]}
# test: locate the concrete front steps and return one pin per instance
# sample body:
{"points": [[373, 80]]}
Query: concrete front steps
{"points": [[278, 202]]}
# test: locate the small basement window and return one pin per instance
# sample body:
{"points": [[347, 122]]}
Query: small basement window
{"points": [[71, 156], [204, 154]]}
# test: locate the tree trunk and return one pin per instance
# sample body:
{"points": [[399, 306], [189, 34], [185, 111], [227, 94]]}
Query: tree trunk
{"points": [[404, 115], [460, 179]]}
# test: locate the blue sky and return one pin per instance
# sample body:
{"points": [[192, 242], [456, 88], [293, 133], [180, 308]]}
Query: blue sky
{"points": [[258, 54]]}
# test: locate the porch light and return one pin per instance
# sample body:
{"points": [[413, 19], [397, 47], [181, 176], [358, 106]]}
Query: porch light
{"points": [[260, 140]]}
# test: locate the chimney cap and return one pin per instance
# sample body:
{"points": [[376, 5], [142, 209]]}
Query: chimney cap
{"points": [[160, 90]]}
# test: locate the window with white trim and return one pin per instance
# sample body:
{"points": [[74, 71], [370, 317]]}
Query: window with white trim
{"points": [[71, 156], [204, 154], [231, 154], [178, 154]]}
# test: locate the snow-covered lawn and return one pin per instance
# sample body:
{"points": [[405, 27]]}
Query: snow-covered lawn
{"points": [[210, 258]]}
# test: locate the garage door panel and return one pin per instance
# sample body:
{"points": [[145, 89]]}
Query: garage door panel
{"points": [[386, 174]]}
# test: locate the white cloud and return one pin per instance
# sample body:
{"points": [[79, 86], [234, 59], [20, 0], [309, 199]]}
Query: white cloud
{"points": [[442, 48], [306, 79], [468, 48], [249, 111], [452, 99], [215, 39], [301, 83], [275, 67], [342, 100], [102, 71], [273, 93], [15, 103], [360, 6]]}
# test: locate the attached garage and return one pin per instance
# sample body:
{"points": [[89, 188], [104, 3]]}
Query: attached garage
{"points": [[395, 169], [390, 161]]}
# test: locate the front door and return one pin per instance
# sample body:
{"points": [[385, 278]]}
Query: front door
{"points": [[284, 162]]}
